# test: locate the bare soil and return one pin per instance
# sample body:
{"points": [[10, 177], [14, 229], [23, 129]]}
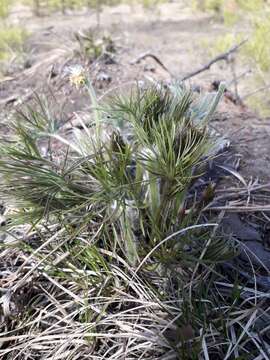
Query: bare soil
{"points": [[173, 33]]}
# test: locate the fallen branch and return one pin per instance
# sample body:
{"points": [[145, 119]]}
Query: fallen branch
{"points": [[6, 78], [223, 56], [9, 100], [154, 57], [263, 88]]}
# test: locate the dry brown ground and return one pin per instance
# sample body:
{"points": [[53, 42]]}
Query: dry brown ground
{"points": [[174, 33]]}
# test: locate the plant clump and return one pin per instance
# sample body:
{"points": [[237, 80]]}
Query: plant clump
{"points": [[120, 260], [93, 46]]}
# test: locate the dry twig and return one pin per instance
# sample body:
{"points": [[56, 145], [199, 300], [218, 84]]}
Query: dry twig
{"points": [[154, 57], [224, 56], [262, 88]]}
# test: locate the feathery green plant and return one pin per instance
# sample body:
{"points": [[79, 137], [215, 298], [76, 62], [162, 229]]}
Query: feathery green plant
{"points": [[137, 186], [120, 266]]}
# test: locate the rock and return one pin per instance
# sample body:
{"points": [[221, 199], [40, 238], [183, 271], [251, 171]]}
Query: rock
{"points": [[255, 252], [232, 225]]}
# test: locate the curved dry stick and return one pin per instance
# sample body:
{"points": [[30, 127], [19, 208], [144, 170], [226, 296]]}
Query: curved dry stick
{"points": [[154, 57]]}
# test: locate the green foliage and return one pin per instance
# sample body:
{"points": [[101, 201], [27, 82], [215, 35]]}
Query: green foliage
{"points": [[137, 186], [222, 43], [151, 3], [93, 45], [44, 6], [230, 6], [214, 5], [258, 49], [254, 16], [209, 5], [11, 40], [4, 8], [251, 5], [55, 5], [226, 11], [230, 11]]}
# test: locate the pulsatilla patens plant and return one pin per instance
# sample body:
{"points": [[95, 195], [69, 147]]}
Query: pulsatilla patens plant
{"points": [[129, 172]]}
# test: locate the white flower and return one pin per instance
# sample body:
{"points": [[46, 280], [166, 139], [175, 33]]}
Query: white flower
{"points": [[77, 75]]}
